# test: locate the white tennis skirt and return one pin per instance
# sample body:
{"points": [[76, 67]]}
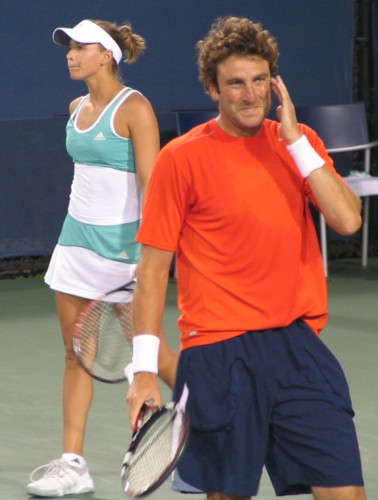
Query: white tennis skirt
{"points": [[81, 272]]}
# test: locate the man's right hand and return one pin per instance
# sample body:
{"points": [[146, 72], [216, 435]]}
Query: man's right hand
{"points": [[145, 387]]}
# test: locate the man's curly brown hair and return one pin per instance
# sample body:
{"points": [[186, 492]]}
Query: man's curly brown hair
{"points": [[234, 36]]}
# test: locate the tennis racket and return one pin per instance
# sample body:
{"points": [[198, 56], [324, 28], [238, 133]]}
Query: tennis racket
{"points": [[157, 444], [103, 335]]}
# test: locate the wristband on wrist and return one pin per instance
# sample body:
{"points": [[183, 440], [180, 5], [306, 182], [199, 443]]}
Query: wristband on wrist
{"points": [[145, 353], [305, 156]]}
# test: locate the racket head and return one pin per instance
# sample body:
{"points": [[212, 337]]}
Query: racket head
{"points": [[154, 450], [103, 334]]}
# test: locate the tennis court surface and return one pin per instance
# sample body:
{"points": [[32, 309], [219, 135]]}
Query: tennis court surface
{"points": [[32, 364]]}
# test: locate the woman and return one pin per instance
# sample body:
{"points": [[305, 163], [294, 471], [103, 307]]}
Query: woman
{"points": [[113, 138]]}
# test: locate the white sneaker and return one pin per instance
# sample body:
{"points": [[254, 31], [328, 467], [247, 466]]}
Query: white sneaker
{"points": [[61, 477]]}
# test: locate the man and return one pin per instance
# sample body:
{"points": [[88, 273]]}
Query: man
{"points": [[231, 198]]}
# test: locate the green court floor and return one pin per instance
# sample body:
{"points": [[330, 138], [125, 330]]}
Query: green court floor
{"points": [[31, 356]]}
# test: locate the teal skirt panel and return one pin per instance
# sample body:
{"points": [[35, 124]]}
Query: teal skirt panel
{"points": [[112, 242]]}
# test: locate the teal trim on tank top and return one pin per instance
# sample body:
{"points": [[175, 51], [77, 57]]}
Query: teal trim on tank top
{"points": [[103, 240], [99, 145]]}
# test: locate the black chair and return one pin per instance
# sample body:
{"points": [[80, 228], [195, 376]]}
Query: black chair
{"points": [[187, 119], [343, 128]]}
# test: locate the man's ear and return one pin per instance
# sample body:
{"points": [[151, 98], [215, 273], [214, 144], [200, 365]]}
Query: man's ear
{"points": [[213, 92]]}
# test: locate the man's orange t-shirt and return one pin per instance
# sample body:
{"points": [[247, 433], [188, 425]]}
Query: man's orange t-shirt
{"points": [[236, 212]]}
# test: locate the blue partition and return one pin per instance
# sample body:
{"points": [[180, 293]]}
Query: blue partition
{"points": [[315, 40], [34, 185], [35, 178]]}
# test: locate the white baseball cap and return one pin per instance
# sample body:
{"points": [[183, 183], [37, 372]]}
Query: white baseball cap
{"points": [[87, 32]]}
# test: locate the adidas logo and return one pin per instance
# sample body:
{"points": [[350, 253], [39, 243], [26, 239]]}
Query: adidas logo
{"points": [[100, 137], [123, 255]]}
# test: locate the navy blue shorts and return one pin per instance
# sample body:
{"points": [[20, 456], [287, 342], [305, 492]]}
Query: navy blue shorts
{"points": [[277, 398]]}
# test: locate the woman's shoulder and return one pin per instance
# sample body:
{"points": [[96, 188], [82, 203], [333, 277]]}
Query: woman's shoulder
{"points": [[75, 103], [130, 96], [134, 102]]}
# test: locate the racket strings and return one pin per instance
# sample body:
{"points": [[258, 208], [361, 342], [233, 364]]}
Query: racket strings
{"points": [[154, 453], [104, 343]]}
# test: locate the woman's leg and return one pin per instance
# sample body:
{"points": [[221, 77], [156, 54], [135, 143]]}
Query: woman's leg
{"points": [[77, 384]]}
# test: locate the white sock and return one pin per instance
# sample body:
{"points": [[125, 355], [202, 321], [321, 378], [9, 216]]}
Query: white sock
{"points": [[73, 457]]}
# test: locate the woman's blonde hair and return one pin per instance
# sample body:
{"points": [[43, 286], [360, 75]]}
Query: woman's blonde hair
{"points": [[131, 44]]}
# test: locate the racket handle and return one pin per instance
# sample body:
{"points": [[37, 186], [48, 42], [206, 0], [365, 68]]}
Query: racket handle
{"points": [[146, 411], [129, 373], [147, 405]]}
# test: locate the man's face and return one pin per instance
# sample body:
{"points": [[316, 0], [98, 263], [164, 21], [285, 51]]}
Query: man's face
{"points": [[243, 94]]}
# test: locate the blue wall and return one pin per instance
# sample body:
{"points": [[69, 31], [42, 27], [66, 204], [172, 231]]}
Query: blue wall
{"points": [[315, 39], [34, 185], [375, 62]]}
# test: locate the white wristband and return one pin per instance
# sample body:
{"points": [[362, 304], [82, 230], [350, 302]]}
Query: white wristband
{"points": [[305, 156], [129, 373], [145, 353]]}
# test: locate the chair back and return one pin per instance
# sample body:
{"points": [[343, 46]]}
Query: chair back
{"points": [[339, 125], [187, 119]]}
